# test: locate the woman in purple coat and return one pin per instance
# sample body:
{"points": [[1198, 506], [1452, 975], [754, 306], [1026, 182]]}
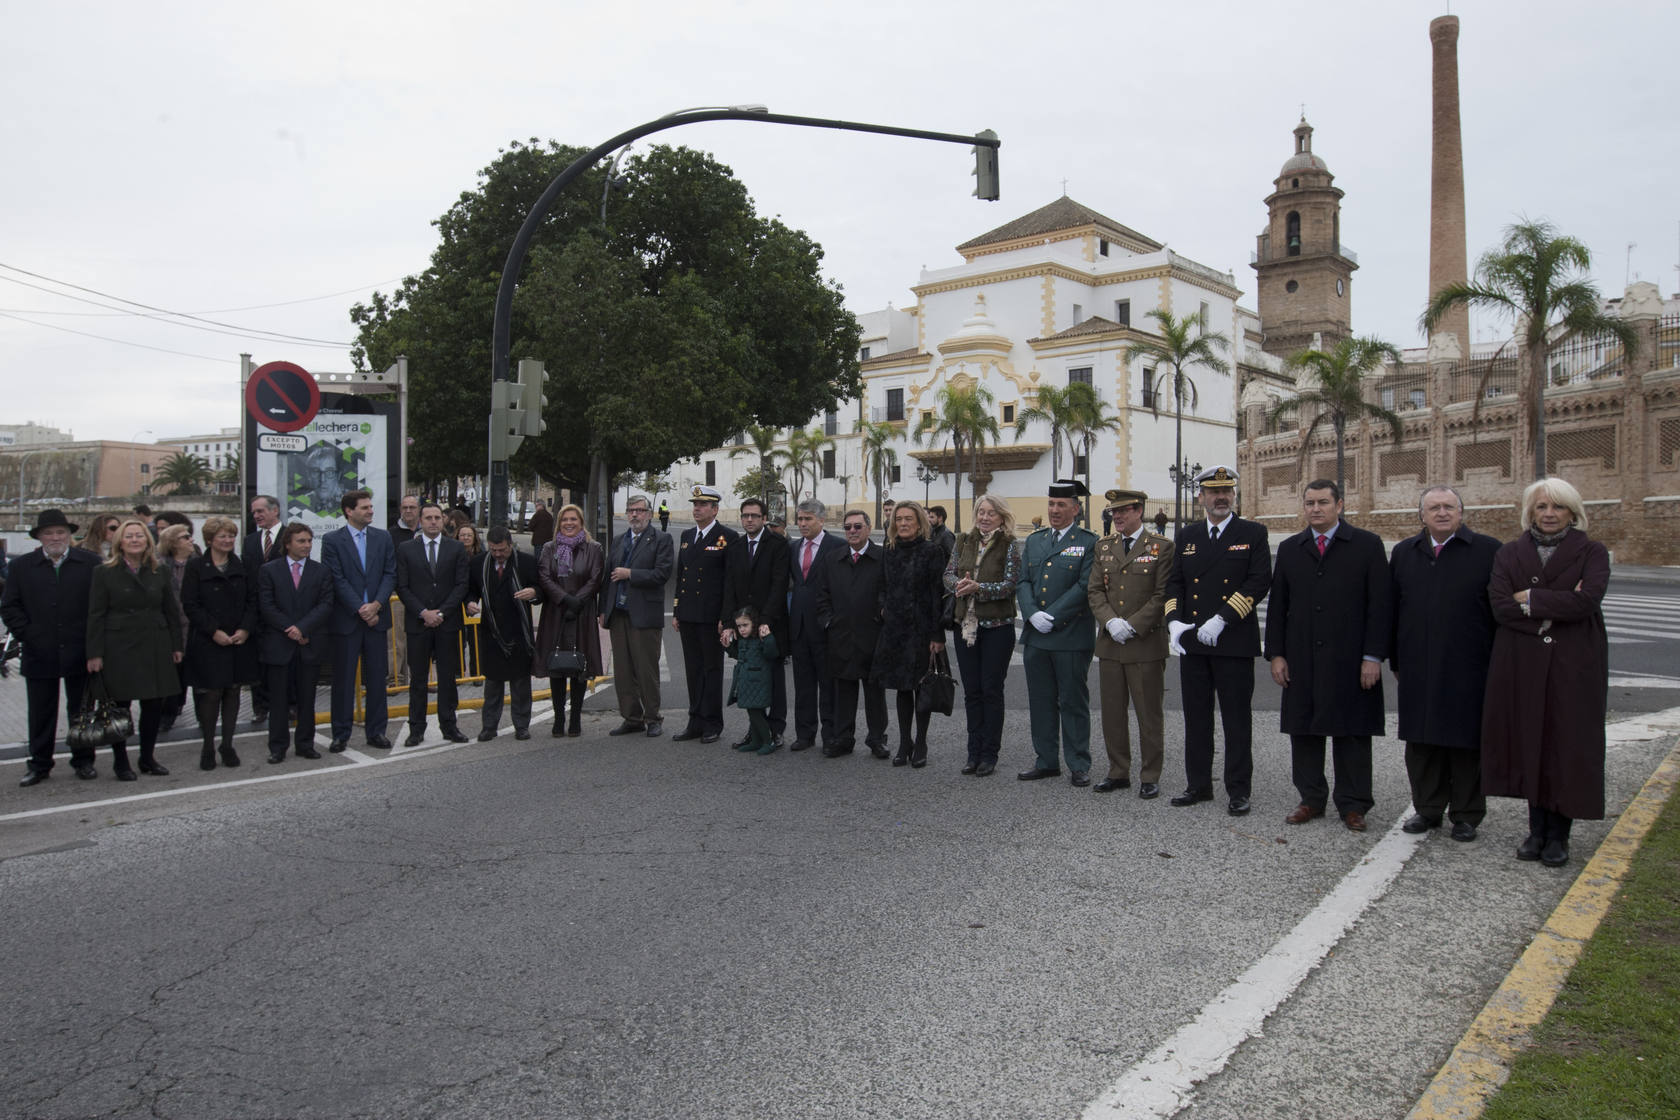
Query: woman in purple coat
{"points": [[1548, 682], [569, 569]]}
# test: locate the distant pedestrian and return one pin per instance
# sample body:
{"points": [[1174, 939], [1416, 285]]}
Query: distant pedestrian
{"points": [[1161, 522], [939, 533], [664, 516], [542, 526]]}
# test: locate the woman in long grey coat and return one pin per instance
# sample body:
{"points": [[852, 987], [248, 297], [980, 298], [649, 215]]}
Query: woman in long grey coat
{"points": [[569, 573], [134, 638], [1549, 680]]}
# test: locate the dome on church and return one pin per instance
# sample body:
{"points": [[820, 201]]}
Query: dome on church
{"points": [[1303, 159]]}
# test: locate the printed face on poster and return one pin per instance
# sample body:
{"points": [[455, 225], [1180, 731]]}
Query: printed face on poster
{"points": [[331, 456]]}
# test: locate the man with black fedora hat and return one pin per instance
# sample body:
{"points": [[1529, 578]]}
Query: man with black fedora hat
{"points": [[45, 605]]}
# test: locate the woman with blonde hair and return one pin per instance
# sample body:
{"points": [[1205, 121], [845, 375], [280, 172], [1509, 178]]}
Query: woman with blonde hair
{"points": [[982, 573], [219, 597], [1549, 677], [134, 638], [570, 571], [175, 551], [910, 624]]}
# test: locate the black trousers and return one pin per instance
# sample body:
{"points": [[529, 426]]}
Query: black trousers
{"points": [[433, 645], [289, 684], [42, 696], [520, 686], [703, 668], [1446, 780], [813, 688], [845, 713], [1230, 681], [984, 667], [1352, 758]]}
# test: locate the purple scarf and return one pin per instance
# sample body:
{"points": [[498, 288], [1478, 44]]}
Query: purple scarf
{"points": [[563, 548]]}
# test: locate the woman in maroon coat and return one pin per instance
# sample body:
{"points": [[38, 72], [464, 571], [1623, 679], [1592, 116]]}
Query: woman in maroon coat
{"points": [[569, 569], [1548, 683]]}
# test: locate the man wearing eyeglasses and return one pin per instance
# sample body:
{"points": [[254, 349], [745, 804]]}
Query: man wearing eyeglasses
{"points": [[757, 576]]}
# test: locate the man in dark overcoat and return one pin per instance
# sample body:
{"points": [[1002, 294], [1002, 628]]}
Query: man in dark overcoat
{"points": [[501, 586], [756, 576], [1327, 632], [849, 610], [432, 584], [701, 561], [542, 526], [295, 600], [1222, 566], [1443, 637], [813, 687], [261, 545], [45, 606]]}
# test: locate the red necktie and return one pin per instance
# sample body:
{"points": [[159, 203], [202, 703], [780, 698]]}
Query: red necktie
{"points": [[1439, 547], [297, 573], [805, 561], [854, 559], [1321, 539]]}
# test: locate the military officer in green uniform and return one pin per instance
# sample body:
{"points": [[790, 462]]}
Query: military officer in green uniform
{"points": [[1128, 596], [1058, 638]]}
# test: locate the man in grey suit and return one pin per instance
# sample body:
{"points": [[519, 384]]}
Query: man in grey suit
{"points": [[432, 582], [633, 605]]}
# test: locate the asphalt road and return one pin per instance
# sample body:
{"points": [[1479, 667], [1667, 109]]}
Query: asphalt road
{"points": [[603, 927]]}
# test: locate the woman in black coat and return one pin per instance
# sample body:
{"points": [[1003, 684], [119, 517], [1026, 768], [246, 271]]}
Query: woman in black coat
{"points": [[220, 599], [912, 591], [569, 574], [1549, 680], [134, 638]]}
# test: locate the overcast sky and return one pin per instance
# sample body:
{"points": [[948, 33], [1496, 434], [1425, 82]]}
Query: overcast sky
{"points": [[267, 166]]}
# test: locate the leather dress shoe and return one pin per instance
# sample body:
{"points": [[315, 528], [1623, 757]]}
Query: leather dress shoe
{"points": [[1238, 807], [711, 736], [1529, 850], [1192, 797], [307, 751], [1418, 823], [1302, 813], [338, 746], [126, 775], [655, 729], [86, 772], [522, 733], [1080, 778], [879, 750], [379, 742], [778, 741], [685, 735], [157, 769], [835, 750], [1109, 785], [415, 738], [1353, 820], [971, 768], [1037, 773], [626, 728], [1555, 853], [985, 770], [1463, 831], [1148, 791], [486, 735], [453, 735], [274, 758], [33, 778], [801, 745]]}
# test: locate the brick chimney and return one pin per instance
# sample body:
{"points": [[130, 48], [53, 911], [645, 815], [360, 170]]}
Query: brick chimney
{"points": [[1447, 258]]}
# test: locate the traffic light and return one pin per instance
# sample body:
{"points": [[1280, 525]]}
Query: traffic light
{"points": [[533, 379], [986, 168], [507, 420]]}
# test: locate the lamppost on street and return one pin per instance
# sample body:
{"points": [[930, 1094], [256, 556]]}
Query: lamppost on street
{"points": [[22, 524], [1184, 480], [927, 476]]}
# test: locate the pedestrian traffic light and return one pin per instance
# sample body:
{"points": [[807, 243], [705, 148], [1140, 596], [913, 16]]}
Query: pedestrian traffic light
{"points": [[986, 168], [507, 420], [533, 379]]}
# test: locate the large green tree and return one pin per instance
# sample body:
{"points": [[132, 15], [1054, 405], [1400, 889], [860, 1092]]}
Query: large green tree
{"points": [[666, 328], [1338, 392], [965, 418], [1539, 276], [1180, 343]]}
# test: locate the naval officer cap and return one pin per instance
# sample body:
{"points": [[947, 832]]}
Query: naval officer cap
{"points": [[1217, 478], [706, 494], [1068, 488], [1120, 499]]}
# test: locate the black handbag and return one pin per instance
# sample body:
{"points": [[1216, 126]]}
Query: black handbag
{"points": [[937, 691], [567, 662], [87, 728]]}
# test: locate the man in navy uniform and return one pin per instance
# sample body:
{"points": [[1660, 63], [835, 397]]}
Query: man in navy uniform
{"points": [[1222, 569], [702, 570], [1059, 637]]}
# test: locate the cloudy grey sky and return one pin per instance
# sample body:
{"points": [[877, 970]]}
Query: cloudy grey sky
{"points": [[267, 165]]}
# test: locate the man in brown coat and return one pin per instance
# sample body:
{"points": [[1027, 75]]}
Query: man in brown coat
{"points": [[1128, 595]]}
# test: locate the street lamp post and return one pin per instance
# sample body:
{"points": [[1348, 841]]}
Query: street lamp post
{"points": [[927, 476], [985, 146], [22, 524], [1183, 475]]}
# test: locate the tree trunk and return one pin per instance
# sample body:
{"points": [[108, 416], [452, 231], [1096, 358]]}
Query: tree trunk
{"points": [[1537, 402], [1339, 422], [1178, 452]]}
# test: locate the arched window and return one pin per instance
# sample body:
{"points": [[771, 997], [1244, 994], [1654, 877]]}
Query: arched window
{"points": [[1292, 233]]}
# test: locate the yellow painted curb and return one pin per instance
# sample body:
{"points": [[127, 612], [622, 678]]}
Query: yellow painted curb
{"points": [[1481, 1061]]}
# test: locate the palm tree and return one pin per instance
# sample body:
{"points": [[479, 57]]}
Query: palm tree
{"points": [[965, 418], [1055, 407], [879, 456], [761, 441], [1539, 276], [182, 473], [1089, 418], [1182, 343], [804, 453], [229, 473], [1340, 393]]}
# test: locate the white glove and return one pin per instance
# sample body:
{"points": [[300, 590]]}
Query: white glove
{"points": [[1175, 631], [1210, 630], [1120, 630], [1041, 622]]}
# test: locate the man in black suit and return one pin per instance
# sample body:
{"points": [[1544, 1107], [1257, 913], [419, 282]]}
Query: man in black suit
{"points": [[432, 583], [695, 612], [633, 606], [849, 609], [1327, 632], [408, 524], [295, 601], [501, 587], [1221, 570], [813, 688], [261, 545], [756, 576], [45, 606]]}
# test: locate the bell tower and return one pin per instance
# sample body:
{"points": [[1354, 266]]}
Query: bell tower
{"points": [[1305, 275]]}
